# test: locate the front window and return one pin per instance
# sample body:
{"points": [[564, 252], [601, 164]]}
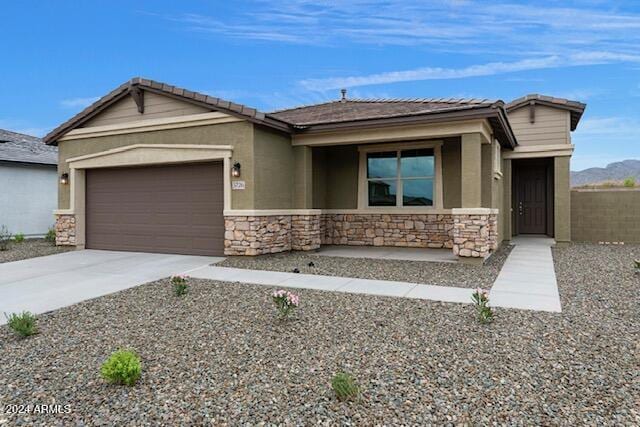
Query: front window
{"points": [[401, 178]]}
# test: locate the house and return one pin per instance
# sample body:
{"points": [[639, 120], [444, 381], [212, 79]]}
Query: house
{"points": [[28, 180], [157, 168]]}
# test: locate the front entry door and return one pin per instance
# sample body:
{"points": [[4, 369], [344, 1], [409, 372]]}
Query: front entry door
{"points": [[531, 208]]}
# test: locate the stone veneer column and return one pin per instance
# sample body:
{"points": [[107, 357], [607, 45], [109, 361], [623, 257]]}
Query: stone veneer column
{"points": [[257, 235], [475, 232], [65, 230], [305, 232]]}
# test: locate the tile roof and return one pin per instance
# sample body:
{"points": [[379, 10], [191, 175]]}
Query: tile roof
{"points": [[216, 104], [21, 148], [364, 109], [574, 107]]}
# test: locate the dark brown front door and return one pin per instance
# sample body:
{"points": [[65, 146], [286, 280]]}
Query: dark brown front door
{"points": [[531, 207], [166, 209]]}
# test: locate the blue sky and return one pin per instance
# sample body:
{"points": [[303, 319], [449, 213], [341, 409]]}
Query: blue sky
{"points": [[59, 56]]}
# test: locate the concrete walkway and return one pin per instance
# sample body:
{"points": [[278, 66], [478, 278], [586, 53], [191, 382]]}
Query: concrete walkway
{"points": [[528, 279], [50, 282], [333, 283]]}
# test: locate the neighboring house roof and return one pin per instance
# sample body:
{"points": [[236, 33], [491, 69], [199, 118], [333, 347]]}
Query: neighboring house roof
{"points": [[133, 86], [21, 148], [574, 107]]}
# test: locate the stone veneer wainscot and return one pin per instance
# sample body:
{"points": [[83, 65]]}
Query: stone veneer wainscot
{"points": [[65, 230], [475, 235]]}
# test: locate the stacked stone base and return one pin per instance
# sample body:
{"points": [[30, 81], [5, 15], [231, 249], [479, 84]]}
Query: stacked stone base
{"points": [[475, 235], [65, 230], [403, 230]]}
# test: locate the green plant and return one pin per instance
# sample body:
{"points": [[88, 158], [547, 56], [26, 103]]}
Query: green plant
{"points": [[180, 285], [19, 237], [345, 386], [629, 182], [481, 299], [23, 324], [285, 302], [122, 367], [5, 238], [51, 235], [637, 262]]}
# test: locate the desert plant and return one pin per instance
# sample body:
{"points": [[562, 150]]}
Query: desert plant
{"points": [[180, 285], [637, 263], [481, 300], [51, 235], [285, 302], [629, 182], [23, 324], [122, 367], [345, 387], [5, 238], [19, 237]]}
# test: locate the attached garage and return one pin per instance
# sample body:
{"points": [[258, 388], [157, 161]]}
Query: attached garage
{"points": [[165, 209]]}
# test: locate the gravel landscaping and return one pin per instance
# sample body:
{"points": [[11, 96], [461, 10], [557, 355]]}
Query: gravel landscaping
{"points": [[430, 273], [219, 356], [30, 248]]}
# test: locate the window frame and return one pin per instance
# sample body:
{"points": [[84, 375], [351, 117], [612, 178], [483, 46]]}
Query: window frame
{"points": [[363, 182]]}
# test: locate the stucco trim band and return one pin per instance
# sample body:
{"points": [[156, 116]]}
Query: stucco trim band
{"points": [[532, 152], [150, 125]]}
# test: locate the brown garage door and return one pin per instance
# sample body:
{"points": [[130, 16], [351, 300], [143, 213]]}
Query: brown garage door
{"points": [[167, 209]]}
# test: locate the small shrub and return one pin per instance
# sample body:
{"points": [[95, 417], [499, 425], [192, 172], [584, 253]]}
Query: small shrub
{"points": [[50, 236], [5, 238], [345, 387], [122, 367], [180, 285], [637, 263], [630, 182], [285, 302], [23, 324], [481, 300], [19, 237]]}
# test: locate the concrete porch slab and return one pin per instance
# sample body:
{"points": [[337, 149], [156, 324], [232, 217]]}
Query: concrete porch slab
{"points": [[385, 252]]}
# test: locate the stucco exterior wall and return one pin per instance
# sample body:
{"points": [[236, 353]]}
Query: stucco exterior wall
{"points": [[273, 165], [605, 215], [562, 199], [28, 198], [342, 177], [451, 176], [239, 135]]}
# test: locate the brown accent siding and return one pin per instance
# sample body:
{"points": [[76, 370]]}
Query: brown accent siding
{"points": [[605, 215], [165, 209]]}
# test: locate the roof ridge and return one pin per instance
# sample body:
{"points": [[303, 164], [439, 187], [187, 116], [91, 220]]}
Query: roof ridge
{"points": [[20, 133]]}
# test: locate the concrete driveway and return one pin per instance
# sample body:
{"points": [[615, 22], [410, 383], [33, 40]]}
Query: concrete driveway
{"points": [[46, 283]]}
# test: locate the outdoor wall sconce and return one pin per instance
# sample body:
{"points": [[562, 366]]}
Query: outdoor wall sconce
{"points": [[64, 179], [235, 170]]}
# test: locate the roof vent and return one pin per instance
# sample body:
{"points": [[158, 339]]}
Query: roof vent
{"points": [[343, 92]]}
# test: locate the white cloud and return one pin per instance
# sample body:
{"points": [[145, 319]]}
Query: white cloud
{"points": [[78, 102], [492, 68]]}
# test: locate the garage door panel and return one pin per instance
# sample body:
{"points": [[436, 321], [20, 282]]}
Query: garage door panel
{"points": [[169, 209]]}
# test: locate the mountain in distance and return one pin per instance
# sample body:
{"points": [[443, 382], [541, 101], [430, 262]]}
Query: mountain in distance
{"points": [[617, 171]]}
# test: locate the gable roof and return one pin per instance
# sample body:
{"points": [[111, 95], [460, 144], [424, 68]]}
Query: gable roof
{"points": [[344, 113], [21, 148], [574, 107], [138, 83], [347, 113]]}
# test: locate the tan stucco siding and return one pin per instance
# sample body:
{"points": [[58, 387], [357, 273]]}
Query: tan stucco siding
{"points": [[319, 178], [551, 126], [487, 176], [562, 199], [342, 177], [239, 135], [451, 178], [506, 216], [273, 166], [155, 107]]}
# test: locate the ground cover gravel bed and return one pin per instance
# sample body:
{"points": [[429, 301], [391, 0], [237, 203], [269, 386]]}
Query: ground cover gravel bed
{"points": [[430, 273], [30, 248], [218, 356]]}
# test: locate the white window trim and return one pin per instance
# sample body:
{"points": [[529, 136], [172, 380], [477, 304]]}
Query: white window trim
{"points": [[363, 196]]}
